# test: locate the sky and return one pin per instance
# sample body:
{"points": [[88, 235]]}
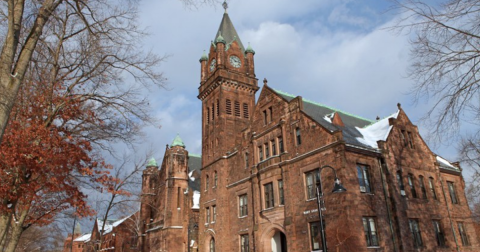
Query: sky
{"points": [[336, 52]]}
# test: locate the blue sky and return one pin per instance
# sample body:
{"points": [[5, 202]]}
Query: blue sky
{"points": [[335, 52]]}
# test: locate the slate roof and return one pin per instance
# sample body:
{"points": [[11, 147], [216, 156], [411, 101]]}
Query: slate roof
{"points": [[194, 166], [322, 114], [228, 32]]}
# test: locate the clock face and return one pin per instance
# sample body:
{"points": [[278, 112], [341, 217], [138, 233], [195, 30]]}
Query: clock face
{"points": [[213, 64], [235, 61]]}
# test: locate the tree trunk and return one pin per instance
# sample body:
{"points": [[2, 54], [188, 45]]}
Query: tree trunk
{"points": [[4, 227], [12, 71], [17, 230], [8, 91]]}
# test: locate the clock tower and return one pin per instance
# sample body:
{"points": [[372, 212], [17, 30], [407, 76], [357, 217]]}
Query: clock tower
{"points": [[227, 91]]}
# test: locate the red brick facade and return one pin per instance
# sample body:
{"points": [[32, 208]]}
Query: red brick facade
{"points": [[259, 152], [169, 217], [258, 173]]}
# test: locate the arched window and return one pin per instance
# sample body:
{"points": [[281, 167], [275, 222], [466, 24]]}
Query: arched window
{"points": [[411, 183], [212, 245], [431, 185], [206, 183], [422, 187], [400, 183], [213, 112], [228, 107], [245, 110], [237, 109], [208, 115]]}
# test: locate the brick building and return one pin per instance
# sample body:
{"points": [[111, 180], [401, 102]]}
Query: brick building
{"points": [[260, 165], [170, 201], [117, 235]]}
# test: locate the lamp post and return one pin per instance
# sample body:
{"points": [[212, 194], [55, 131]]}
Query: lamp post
{"points": [[337, 188]]}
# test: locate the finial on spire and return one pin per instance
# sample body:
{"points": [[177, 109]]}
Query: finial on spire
{"points": [[265, 81], [225, 5]]}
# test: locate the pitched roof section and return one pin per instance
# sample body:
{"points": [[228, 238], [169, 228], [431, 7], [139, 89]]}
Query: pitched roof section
{"points": [[110, 224], [356, 130], [83, 238], [178, 142], [228, 32]]}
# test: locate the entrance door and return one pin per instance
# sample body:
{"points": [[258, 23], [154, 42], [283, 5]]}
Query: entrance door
{"points": [[279, 242]]}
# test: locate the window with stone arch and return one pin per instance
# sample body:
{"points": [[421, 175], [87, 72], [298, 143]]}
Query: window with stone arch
{"points": [[206, 182], [212, 245]]}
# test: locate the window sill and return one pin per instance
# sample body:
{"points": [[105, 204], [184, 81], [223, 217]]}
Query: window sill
{"points": [[368, 193], [242, 217]]}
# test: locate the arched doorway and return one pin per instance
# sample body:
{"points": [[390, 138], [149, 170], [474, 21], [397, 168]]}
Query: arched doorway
{"points": [[279, 242]]}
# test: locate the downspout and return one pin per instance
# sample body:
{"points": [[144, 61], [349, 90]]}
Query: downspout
{"points": [[449, 214], [253, 210], [382, 163]]}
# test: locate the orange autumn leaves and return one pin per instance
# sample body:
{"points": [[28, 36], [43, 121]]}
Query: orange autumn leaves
{"points": [[44, 156]]}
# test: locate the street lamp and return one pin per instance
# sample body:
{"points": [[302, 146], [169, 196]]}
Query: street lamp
{"points": [[337, 188]]}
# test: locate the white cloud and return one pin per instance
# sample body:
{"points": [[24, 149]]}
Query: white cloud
{"points": [[333, 52]]}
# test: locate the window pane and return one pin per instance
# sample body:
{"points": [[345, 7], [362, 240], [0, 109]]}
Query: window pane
{"points": [[299, 137], [268, 189], [311, 182], [453, 194], [280, 192], [315, 236], [363, 178], [432, 188]]}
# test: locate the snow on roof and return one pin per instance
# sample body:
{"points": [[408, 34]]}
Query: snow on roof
{"points": [[446, 164], [377, 131], [83, 238], [110, 224], [329, 117], [190, 175], [196, 200]]}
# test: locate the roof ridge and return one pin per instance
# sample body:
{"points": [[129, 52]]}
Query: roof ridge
{"points": [[373, 122], [194, 155], [323, 105]]}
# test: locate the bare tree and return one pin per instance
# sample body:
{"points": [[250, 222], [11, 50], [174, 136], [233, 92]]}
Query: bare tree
{"points": [[28, 22], [445, 54], [121, 195]]}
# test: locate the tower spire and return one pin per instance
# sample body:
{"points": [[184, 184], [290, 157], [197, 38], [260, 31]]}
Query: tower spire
{"points": [[225, 5], [227, 30]]}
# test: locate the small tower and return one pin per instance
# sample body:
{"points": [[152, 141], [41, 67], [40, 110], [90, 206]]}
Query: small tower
{"points": [[175, 164], [149, 180]]}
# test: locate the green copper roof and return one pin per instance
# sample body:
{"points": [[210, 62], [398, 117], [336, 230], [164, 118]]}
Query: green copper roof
{"points": [[177, 142], [249, 49], [204, 57], [152, 162], [228, 32], [220, 39]]}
